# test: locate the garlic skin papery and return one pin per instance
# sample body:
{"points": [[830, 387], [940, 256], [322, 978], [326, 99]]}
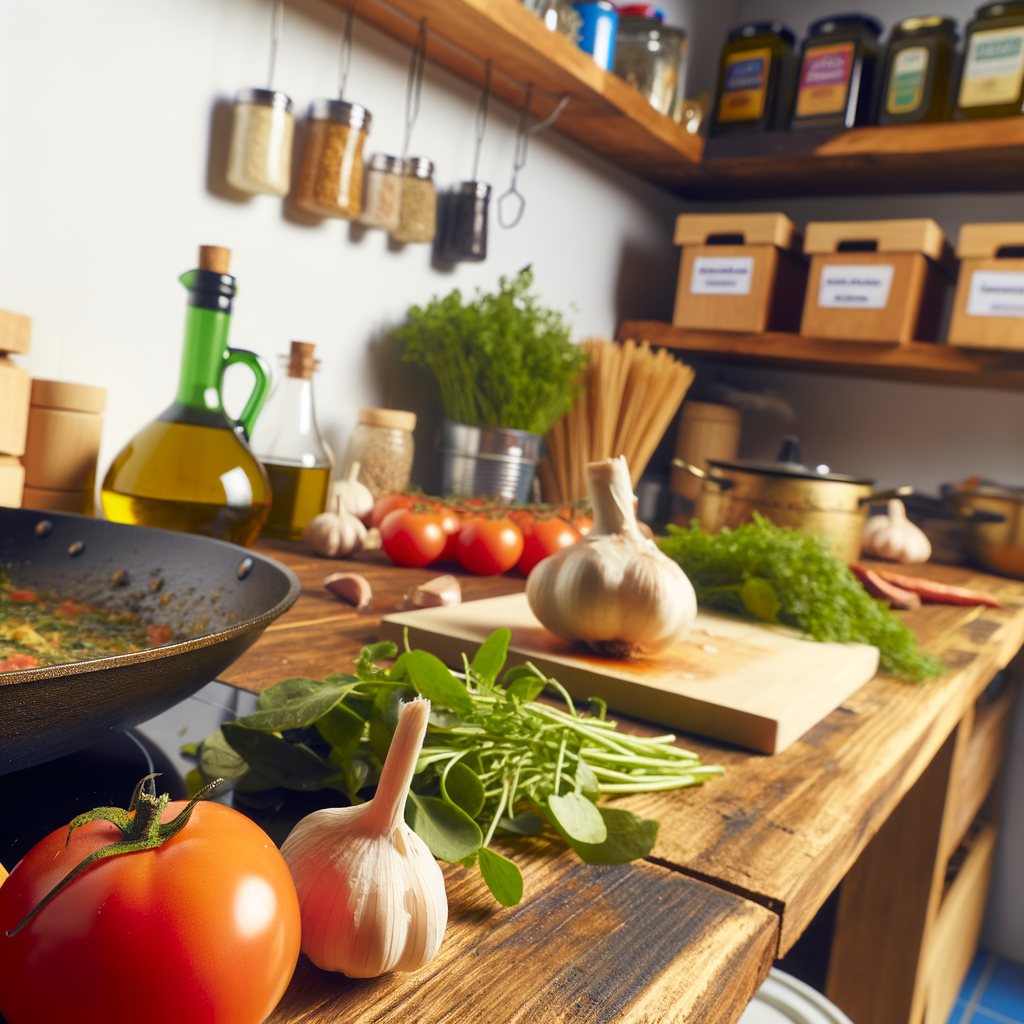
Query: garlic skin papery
{"points": [[614, 590], [895, 538], [335, 533], [351, 495], [371, 895]]}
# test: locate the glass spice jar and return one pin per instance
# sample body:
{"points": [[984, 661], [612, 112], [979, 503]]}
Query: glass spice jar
{"points": [[464, 225], [417, 220], [992, 80], [260, 158], [331, 178], [382, 194], [918, 69], [382, 444], [651, 57]]}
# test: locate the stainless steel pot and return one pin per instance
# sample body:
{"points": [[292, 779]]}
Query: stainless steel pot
{"points": [[489, 461]]}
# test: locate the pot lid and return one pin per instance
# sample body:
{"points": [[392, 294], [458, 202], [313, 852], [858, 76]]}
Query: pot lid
{"points": [[788, 464]]}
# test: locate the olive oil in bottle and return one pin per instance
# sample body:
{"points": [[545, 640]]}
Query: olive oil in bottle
{"points": [[294, 453], [190, 469]]}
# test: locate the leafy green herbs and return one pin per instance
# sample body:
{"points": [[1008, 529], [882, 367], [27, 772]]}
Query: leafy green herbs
{"points": [[502, 360], [494, 760], [783, 575]]}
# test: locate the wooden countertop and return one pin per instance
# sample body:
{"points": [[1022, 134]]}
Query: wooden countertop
{"points": [[773, 836]]}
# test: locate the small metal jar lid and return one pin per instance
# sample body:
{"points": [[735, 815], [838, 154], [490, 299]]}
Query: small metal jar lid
{"points": [[264, 98], [418, 167], [383, 162], [763, 28], [845, 22], [477, 189], [341, 112]]}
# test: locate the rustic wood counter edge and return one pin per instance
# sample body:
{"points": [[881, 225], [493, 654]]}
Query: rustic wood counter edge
{"points": [[783, 831]]}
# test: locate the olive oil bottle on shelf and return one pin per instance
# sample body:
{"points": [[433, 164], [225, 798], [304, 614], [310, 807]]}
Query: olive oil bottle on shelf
{"points": [[191, 469], [294, 453]]}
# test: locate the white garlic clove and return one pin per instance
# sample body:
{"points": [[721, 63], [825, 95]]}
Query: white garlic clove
{"points": [[350, 587], [438, 592], [334, 534]]}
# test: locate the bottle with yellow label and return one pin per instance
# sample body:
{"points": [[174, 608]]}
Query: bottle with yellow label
{"points": [[837, 72], [992, 80], [918, 69], [754, 78]]}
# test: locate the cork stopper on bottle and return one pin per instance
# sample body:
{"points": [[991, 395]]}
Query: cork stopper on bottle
{"points": [[301, 362], [215, 258]]}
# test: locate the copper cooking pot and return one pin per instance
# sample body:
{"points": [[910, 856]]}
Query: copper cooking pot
{"points": [[786, 492]]}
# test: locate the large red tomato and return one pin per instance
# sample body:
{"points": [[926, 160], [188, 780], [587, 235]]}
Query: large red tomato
{"points": [[544, 537], [203, 929], [411, 538], [488, 546], [452, 525]]}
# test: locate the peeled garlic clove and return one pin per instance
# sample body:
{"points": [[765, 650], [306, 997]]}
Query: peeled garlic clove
{"points": [[371, 896], [441, 590], [373, 540], [350, 587]]}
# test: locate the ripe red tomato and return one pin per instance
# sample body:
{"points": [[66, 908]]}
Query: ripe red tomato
{"points": [[412, 539], [204, 929], [452, 526], [489, 546], [387, 504], [544, 537]]}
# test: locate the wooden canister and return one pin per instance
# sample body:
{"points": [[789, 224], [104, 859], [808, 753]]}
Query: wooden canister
{"points": [[63, 445], [706, 431]]}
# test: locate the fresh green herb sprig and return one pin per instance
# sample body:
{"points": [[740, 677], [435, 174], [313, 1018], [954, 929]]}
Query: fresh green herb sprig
{"points": [[495, 760], [502, 360], [783, 575]]}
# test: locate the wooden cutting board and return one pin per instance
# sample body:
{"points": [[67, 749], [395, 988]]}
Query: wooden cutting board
{"points": [[752, 684]]}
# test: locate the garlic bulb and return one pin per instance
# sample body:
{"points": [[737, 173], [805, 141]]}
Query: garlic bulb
{"points": [[895, 538], [614, 590], [351, 495], [335, 534], [371, 895]]}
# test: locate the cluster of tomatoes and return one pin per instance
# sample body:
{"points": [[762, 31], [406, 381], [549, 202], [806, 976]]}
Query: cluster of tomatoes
{"points": [[484, 537]]}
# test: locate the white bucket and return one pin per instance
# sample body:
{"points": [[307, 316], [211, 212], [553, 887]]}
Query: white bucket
{"points": [[782, 999]]}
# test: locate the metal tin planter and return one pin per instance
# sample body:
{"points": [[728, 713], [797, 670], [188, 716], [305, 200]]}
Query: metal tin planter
{"points": [[488, 461]]}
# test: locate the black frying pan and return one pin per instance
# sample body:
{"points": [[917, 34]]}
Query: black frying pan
{"points": [[217, 596]]}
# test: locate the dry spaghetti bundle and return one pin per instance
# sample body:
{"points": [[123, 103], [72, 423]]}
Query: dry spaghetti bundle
{"points": [[631, 396]]}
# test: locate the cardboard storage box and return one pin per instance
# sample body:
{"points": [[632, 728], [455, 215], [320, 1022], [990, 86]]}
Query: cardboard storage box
{"points": [[15, 333], [739, 272], [880, 281], [12, 480], [15, 392], [988, 311]]}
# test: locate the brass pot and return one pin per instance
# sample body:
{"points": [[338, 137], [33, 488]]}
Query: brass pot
{"points": [[787, 493], [995, 524]]}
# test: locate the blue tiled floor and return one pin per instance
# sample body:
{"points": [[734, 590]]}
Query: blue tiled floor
{"points": [[992, 993]]}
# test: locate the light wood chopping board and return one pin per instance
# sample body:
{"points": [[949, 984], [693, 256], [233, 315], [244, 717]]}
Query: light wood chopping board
{"points": [[752, 684]]}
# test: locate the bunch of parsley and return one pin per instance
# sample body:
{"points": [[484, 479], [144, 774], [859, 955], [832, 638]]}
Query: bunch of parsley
{"points": [[502, 360]]}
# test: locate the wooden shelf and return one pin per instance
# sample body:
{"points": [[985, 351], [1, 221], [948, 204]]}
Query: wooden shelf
{"points": [[918, 362]]}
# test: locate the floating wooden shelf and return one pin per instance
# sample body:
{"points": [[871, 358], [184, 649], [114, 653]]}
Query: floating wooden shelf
{"points": [[919, 362]]}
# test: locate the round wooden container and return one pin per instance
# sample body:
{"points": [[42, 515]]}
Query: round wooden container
{"points": [[706, 431]]}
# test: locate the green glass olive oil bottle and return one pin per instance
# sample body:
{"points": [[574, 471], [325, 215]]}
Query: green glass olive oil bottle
{"points": [[191, 468]]}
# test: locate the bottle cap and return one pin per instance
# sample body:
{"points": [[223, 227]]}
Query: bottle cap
{"points": [[393, 419], [301, 362], [215, 258]]}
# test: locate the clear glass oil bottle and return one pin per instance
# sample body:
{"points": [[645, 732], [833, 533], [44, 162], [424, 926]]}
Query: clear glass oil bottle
{"points": [[288, 442], [190, 469]]}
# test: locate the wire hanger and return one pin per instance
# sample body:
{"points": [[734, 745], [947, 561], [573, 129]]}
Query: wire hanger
{"points": [[481, 119], [414, 86], [346, 50], [276, 24]]}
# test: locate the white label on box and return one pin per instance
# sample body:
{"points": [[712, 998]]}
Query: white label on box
{"points": [[996, 293], [855, 286], [721, 275]]}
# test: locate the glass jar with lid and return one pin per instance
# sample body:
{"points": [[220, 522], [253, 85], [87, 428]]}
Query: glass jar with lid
{"points": [[417, 219], [651, 57], [837, 72], [918, 68], [260, 158], [382, 192], [331, 178], [464, 224], [755, 78], [382, 444], [992, 80]]}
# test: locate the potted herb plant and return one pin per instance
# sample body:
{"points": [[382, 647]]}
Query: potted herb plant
{"points": [[506, 370]]}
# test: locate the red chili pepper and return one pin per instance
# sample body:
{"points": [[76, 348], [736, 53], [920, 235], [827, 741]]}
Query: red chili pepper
{"points": [[885, 590], [939, 593], [23, 595]]}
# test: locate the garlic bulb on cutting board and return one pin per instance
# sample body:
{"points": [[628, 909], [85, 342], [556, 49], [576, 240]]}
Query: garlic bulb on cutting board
{"points": [[614, 590], [894, 537]]}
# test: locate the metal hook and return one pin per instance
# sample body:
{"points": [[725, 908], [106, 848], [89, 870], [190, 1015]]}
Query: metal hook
{"points": [[414, 86], [481, 118], [276, 25], [346, 50]]}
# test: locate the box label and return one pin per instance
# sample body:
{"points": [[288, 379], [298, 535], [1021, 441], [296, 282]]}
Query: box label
{"points": [[825, 80], [850, 286], [996, 293], [993, 68], [745, 85], [906, 80], [721, 275]]}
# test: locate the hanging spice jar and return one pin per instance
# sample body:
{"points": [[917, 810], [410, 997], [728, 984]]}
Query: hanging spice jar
{"points": [[331, 178], [417, 221], [263, 128], [382, 193]]}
